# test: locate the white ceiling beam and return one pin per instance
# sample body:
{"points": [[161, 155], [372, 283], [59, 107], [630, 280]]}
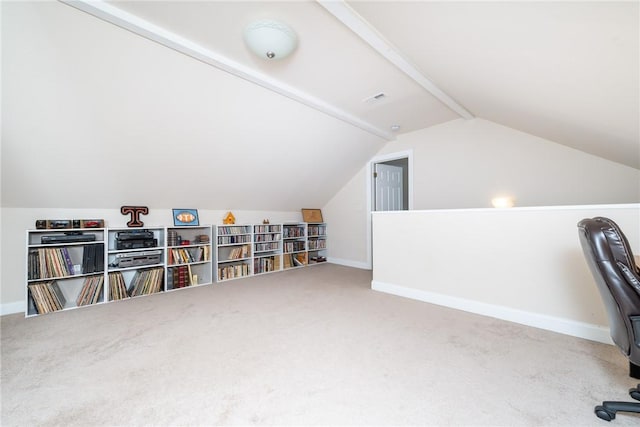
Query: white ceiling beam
{"points": [[367, 32], [141, 27]]}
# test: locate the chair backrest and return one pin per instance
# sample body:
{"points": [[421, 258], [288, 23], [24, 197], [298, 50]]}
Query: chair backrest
{"points": [[612, 264]]}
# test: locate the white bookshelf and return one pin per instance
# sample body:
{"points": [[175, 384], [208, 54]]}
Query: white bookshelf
{"points": [[59, 272], [189, 257], [109, 264], [267, 248], [233, 251]]}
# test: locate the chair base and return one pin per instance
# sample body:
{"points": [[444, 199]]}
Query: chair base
{"points": [[608, 410]]}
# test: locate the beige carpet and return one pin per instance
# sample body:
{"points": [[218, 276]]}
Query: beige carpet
{"points": [[310, 346]]}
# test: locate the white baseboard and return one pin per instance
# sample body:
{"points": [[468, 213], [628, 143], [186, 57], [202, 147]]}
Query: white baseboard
{"points": [[542, 321], [349, 263], [12, 308]]}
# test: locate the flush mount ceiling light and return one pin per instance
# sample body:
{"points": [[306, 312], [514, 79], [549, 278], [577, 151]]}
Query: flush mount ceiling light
{"points": [[270, 39]]}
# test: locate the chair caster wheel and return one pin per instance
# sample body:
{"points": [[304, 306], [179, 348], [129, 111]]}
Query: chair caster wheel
{"points": [[635, 393], [604, 414]]}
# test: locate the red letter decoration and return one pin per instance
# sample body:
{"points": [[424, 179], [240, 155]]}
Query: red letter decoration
{"points": [[135, 212]]}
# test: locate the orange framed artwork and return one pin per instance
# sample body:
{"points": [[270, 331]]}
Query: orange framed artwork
{"points": [[312, 215]]}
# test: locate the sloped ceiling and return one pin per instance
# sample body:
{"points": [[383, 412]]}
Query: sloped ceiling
{"points": [[565, 71], [96, 116]]}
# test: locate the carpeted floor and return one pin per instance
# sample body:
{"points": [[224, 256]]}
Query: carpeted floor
{"points": [[311, 346]]}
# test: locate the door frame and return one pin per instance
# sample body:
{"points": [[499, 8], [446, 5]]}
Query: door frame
{"points": [[407, 154]]}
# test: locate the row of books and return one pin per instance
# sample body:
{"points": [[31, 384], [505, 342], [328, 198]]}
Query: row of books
{"points": [[233, 271], [315, 244], [187, 255], [117, 286], [267, 237], [45, 263], [294, 246], [239, 252], [317, 230], [91, 290], [45, 297], [146, 282], [179, 277], [49, 262], [234, 229], [266, 228], [229, 240], [295, 231], [261, 247], [294, 260], [266, 264]]}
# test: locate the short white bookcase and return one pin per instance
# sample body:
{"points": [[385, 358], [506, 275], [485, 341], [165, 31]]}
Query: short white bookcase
{"points": [[189, 257], [294, 241], [267, 248], [136, 266], [65, 269], [317, 242], [234, 254]]}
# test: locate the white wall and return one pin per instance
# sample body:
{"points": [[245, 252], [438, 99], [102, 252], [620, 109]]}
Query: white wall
{"points": [[465, 163], [346, 216], [90, 105], [15, 222], [523, 264]]}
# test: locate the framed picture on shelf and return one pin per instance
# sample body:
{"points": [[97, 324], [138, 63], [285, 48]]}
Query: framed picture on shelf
{"points": [[185, 217], [312, 215]]}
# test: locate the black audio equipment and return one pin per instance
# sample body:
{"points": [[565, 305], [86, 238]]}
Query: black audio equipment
{"points": [[134, 235], [136, 244], [67, 238]]}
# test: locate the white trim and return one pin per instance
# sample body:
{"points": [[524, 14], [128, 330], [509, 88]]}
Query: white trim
{"points": [[367, 32], [349, 263], [537, 320], [408, 154], [523, 208], [12, 308], [139, 26]]}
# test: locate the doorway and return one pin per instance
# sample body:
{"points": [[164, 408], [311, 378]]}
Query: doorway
{"points": [[389, 188]]}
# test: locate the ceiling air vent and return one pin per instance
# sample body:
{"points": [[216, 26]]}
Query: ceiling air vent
{"points": [[375, 98]]}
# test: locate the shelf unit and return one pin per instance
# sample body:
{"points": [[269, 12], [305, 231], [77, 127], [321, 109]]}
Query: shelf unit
{"points": [[294, 245], [64, 275], [233, 255], [317, 242], [97, 265], [267, 248], [146, 275], [189, 254]]}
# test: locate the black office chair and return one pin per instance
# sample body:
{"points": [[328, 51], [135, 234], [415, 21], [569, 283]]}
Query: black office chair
{"points": [[618, 278]]}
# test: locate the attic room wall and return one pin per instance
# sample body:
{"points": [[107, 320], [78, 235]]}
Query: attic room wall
{"points": [[93, 115], [465, 163]]}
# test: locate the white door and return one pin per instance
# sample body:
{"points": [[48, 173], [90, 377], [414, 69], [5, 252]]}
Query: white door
{"points": [[388, 184]]}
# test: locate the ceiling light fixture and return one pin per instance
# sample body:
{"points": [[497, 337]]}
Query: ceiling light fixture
{"points": [[270, 39]]}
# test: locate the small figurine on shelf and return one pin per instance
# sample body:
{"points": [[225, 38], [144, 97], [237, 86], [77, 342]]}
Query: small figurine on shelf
{"points": [[229, 219], [265, 221]]}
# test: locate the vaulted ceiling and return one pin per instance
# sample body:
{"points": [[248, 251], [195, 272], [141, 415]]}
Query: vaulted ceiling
{"points": [[564, 71], [173, 85]]}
